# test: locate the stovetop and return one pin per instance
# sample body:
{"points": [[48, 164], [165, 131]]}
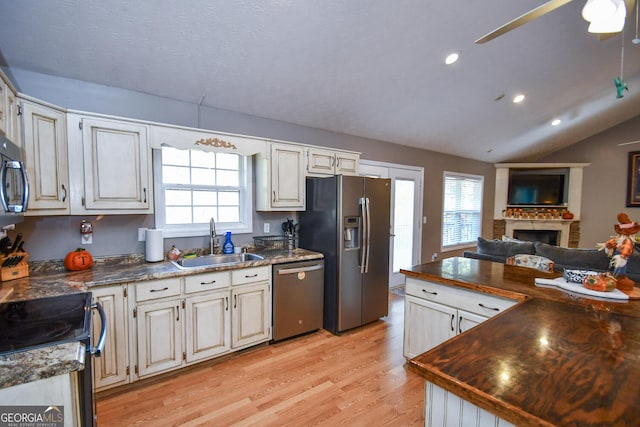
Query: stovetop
{"points": [[25, 325]]}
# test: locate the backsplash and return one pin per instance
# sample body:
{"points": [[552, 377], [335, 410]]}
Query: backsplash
{"points": [[50, 238]]}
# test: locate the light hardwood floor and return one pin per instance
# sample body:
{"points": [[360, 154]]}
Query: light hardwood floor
{"points": [[357, 379]]}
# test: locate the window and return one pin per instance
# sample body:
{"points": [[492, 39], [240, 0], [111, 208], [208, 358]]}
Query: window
{"points": [[462, 209], [192, 186]]}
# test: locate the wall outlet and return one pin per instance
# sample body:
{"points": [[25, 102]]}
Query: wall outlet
{"points": [[434, 256], [142, 233], [267, 227]]}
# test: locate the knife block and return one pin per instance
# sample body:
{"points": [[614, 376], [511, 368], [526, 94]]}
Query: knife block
{"points": [[20, 269]]}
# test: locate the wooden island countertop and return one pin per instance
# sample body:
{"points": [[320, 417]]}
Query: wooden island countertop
{"points": [[554, 359]]}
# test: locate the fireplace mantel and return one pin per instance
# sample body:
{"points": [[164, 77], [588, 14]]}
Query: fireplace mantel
{"points": [[561, 225]]}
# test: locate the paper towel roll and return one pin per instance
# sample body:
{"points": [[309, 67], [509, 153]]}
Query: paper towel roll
{"points": [[154, 245]]}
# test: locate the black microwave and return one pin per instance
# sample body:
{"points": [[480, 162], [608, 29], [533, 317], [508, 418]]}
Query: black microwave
{"points": [[14, 185]]}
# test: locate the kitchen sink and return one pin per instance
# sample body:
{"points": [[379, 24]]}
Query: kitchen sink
{"points": [[216, 260]]}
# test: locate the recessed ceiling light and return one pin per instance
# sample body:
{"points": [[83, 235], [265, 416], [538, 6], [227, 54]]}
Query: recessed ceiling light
{"points": [[452, 58], [518, 98], [556, 122]]}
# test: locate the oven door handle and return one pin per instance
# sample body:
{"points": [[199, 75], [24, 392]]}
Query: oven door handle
{"points": [[97, 350]]}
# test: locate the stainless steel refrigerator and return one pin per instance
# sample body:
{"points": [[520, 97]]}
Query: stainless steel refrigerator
{"points": [[347, 219]]}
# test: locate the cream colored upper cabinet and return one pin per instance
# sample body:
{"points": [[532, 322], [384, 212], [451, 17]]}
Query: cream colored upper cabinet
{"points": [[328, 162], [9, 114], [116, 159], [45, 147], [280, 184], [4, 88]]}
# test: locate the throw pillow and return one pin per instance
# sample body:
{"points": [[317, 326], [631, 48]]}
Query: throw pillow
{"points": [[531, 261]]}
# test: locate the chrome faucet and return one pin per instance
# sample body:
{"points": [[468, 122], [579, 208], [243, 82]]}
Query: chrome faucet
{"points": [[212, 236]]}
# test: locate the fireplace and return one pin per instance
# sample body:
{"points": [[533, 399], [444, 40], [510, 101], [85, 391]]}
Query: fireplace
{"points": [[549, 237]]}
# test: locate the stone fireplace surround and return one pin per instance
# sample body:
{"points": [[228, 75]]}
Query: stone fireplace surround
{"points": [[569, 230]]}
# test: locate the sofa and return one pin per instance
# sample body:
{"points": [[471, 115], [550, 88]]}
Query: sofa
{"points": [[563, 258]]}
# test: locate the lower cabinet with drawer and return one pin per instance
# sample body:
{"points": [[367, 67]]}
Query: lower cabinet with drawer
{"points": [[211, 315], [435, 312]]}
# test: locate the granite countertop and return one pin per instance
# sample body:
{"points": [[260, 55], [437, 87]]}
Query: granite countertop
{"points": [[40, 363], [48, 281], [555, 358]]}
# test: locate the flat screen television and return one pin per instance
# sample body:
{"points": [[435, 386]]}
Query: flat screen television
{"points": [[536, 189]]}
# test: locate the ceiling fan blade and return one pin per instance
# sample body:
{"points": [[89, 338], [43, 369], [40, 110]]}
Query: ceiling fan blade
{"points": [[543, 9], [629, 4]]}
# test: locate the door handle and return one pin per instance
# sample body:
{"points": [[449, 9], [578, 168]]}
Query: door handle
{"points": [[99, 348]]}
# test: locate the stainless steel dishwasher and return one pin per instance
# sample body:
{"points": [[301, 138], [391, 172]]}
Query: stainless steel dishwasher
{"points": [[298, 298]]}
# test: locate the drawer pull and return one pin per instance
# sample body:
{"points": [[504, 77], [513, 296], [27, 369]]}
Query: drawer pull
{"points": [[248, 276], [159, 290], [460, 325], [488, 308], [453, 316], [208, 283], [429, 292]]}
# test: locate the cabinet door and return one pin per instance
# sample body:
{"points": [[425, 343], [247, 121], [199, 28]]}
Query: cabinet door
{"points": [[45, 146], [426, 324], [13, 118], [251, 315], [116, 165], [347, 163], [3, 106], [321, 161], [208, 325], [467, 320], [159, 327], [110, 369], [287, 176]]}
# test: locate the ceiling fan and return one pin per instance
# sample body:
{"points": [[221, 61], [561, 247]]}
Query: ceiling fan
{"points": [[594, 12]]}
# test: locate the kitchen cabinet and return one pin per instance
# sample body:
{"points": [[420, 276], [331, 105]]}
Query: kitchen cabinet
{"points": [[208, 325], [13, 118], [328, 162], [208, 315], [251, 306], [45, 147], [101, 152], [158, 327], [180, 321], [435, 312], [280, 180], [111, 368]]}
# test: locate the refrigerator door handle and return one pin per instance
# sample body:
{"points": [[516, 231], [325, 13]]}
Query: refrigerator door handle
{"points": [[366, 265], [363, 225]]}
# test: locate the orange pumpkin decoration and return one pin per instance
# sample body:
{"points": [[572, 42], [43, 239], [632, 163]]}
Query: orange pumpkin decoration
{"points": [[80, 259]]}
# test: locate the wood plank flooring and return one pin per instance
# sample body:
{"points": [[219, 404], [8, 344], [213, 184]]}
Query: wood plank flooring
{"points": [[357, 379]]}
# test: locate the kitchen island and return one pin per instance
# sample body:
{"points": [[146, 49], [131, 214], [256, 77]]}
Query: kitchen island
{"points": [[555, 358]]}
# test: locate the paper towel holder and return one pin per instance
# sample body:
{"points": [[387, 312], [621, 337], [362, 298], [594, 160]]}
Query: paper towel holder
{"points": [[154, 245]]}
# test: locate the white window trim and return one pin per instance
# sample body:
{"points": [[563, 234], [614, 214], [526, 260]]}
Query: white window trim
{"points": [[245, 226], [460, 246]]}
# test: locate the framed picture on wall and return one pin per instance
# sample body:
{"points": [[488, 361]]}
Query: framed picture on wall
{"points": [[633, 180]]}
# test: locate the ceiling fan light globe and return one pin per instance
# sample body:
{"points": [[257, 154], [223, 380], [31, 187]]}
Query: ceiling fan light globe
{"points": [[595, 10], [611, 24]]}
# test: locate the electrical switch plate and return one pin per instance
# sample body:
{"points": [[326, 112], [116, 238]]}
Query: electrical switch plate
{"points": [[266, 227], [142, 234], [86, 239]]}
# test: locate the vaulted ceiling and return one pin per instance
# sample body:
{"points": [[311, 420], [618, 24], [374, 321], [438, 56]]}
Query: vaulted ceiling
{"points": [[371, 68]]}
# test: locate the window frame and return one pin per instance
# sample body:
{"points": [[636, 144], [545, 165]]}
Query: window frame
{"points": [[244, 226], [470, 243]]}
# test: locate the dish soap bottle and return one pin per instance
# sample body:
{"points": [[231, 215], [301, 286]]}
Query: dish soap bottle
{"points": [[228, 248]]}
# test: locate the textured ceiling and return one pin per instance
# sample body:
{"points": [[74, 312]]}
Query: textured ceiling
{"points": [[369, 68]]}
